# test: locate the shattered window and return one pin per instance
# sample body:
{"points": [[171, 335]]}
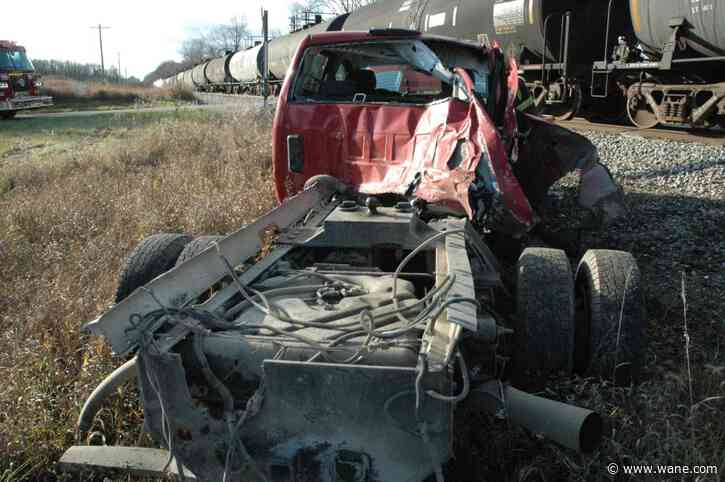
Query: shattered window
{"points": [[401, 71]]}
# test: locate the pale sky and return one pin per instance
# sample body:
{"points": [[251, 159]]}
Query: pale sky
{"points": [[144, 32]]}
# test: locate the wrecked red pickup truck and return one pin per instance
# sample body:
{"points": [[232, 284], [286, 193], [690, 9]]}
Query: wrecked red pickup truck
{"points": [[334, 338]]}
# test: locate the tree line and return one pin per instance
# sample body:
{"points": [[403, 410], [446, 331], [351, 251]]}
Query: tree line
{"points": [[81, 72]]}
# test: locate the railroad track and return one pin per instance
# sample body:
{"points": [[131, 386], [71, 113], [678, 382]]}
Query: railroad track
{"points": [[702, 136]]}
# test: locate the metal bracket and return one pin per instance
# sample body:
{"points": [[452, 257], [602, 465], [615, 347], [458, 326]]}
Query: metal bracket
{"points": [[136, 461], [668, 51], [189, 280]]}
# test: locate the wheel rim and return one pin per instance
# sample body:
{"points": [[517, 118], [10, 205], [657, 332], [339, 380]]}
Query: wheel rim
{"points": [[568, 109], [640, 112]]}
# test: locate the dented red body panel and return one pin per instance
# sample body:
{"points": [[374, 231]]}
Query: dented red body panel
{"points": [[380, 148]]}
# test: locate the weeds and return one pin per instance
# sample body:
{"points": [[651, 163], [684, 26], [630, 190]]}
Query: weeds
{"points": [[75, 93], [67, 222], [66, 226]]}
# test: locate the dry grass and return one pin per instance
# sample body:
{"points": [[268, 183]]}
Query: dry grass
{"points": [[72, 92], [67, 224], [68, 220]]}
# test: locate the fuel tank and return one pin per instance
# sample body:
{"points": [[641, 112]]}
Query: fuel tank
{"points": [[246, 65], [705, 22]]}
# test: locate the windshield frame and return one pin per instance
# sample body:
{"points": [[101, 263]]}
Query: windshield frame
{"points": [[15, 59], [424, 60]]}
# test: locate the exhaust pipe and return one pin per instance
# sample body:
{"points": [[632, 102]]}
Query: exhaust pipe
{"points": [[573, 427], [120, 375]]}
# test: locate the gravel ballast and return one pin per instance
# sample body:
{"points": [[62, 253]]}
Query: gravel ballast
{"points": [[675, 222], [674, 225]]}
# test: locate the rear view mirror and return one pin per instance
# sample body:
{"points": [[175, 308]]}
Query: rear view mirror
{"points": [[295, 153]]}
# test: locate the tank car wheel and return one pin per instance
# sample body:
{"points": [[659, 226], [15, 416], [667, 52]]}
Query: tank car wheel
{"points": [[152, 257], [570, 107], [610, 316], [640, 113], [544, 323]]}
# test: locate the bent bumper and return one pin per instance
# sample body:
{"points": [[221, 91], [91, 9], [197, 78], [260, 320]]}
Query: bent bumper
{"points": [[26, 102]]}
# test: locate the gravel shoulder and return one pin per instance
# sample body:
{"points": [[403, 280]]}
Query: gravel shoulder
{"points": [[675, 224], [675, 227]]}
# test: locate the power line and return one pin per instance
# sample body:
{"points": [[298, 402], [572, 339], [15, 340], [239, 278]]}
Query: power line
{"points": [[101, 28]]}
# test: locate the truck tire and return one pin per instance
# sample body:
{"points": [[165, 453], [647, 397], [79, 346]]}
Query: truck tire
{"points": [[196, 246], [7, 115], [544, 323], [610, 330], [152, 257]]}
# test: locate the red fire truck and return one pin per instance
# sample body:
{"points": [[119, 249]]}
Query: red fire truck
{"points": [[19, 85]]}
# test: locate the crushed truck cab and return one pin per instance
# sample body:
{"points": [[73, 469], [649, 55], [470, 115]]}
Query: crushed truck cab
{"points": [[449, 134], [19, 85], [333, 339]]}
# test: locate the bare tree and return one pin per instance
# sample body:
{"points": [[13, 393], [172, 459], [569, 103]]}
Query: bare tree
{"points": [[228, 37], [195, 50], [215, 41]]}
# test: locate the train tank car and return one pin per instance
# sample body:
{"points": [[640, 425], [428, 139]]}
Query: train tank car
{"points": [[555, 42], [282, 49], [216, 73], [245, 69], [705, 20], [673, 70], [186, 80], [653, 61], [197, 76]]}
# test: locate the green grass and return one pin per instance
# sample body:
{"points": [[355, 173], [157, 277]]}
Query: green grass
{"points": [[34, 142], [76, 195]]}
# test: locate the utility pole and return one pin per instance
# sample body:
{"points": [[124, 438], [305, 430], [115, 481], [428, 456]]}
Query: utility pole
{"points": [[101, 28], [265, 73], [119, 68]]}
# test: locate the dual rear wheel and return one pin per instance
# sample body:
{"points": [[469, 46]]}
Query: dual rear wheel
{"points": [[591, 323], [157, 254]]}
